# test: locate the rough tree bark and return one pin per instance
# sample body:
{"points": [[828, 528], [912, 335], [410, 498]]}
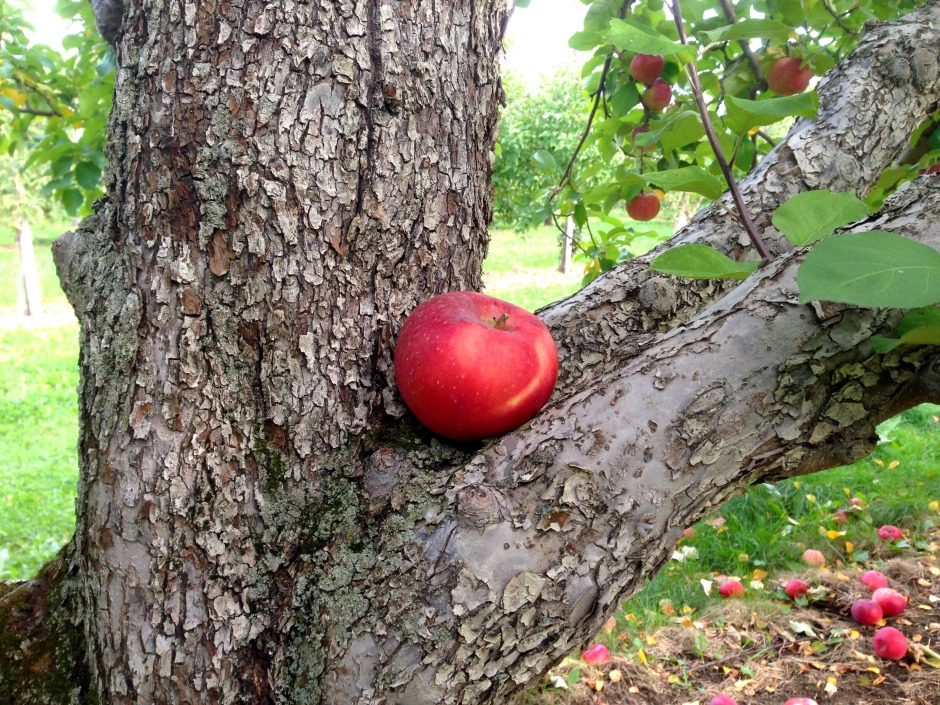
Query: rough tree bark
{"points": [[259, 520]]}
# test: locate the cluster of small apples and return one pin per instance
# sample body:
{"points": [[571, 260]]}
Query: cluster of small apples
{"points": [[889, 643], [647, 69]]}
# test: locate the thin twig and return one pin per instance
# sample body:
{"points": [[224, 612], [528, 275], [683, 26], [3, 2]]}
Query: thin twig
{"points": [[838, 18], [598, 96], [746, 50], [716, 147]]}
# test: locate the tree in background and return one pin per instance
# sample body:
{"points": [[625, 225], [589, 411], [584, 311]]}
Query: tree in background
{"points": [[259, 519]]}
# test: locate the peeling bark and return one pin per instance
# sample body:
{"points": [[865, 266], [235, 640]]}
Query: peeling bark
{"points": [[259, 519]]}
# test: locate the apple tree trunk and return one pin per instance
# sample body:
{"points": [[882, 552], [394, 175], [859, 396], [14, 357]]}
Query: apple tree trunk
{"points": [[259, 518]]}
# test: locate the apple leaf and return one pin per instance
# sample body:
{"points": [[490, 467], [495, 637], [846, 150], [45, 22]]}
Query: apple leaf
{"points": [[812, 215], [633, 36], [701, 262], [745, 114], [751, 29], [683, 129], [544, 160], [687, 178], [919, 327], [874, 268], [625, 98], [584, 41]]}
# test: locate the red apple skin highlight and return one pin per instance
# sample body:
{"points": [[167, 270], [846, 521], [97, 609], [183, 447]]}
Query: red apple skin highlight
{"points": [[646, 68], [867, 612], [890, 643], [471, 366], [786, 77], [801, 701]]}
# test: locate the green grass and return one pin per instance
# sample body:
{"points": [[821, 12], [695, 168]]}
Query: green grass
{"points": [[768, 528], [38, 438]]}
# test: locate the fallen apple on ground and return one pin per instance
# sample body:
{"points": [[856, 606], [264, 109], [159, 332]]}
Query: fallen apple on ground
{"points": [[801, 701], [867, 612], [873, 580], [596, 654], [814, 558], [722, 699], [471, 366], [731, 588], [889, 532], [796, 588], [891, 601], [890, 643]]}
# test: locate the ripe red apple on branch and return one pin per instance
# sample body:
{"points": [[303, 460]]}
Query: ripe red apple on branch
{"points": [[471, 366], [657, 96], [646, 68], [643, 206], [786, 77]]}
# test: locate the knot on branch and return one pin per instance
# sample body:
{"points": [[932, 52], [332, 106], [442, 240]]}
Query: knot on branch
{"points": [[478, 506], [382, 470]]}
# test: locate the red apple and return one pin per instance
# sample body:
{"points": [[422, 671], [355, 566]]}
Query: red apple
{"points": [[873, 580], [722, 699], [646, 68], [643, 206], [801, 701], [891, 601], [856, 501], [929, 170], [867, 612], [889, 533], [890, 643], [786, 77], [796, 588], [471, 366], [657, 96], [596, 654], [731, 588], [689, 533], [841, 516], [814, 558]]}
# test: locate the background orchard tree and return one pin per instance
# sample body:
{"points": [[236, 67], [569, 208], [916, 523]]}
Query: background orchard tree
{"points": [[259, 519]]}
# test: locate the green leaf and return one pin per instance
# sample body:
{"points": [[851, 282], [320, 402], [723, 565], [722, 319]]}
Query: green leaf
{"points": [[687, 178], [751, 29], [72, 199], [584, 41], [701, 262], [633, 36], [919, 327], [743, 114], [875, 268], [812, 215], [625, 99], [544, 160], [87, 175], [685, 128]]}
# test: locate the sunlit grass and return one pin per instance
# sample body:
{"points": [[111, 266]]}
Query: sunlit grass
{"points": [[38, 438]]}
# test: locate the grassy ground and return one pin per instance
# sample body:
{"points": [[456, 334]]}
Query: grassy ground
{"points": [[38, 437], [44, 233]]}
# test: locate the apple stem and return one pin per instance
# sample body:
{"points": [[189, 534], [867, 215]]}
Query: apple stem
{"points": [[743, 214], [502, 323]]}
